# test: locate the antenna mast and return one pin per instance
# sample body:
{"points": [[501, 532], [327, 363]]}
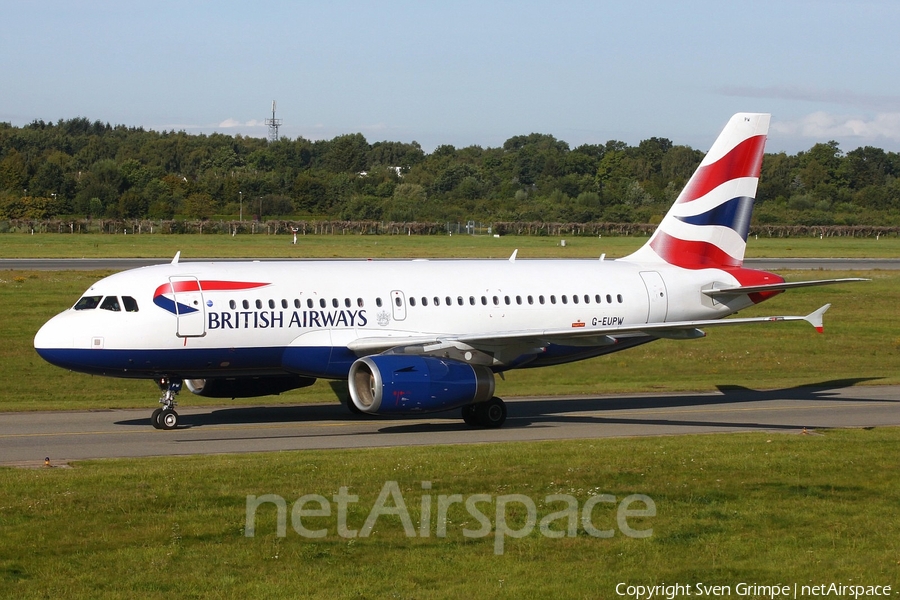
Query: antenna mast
{"points": [[273, 124]]}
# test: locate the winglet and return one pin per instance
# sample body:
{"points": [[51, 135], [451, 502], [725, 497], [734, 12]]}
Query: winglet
{"points": [[815, 318], [177, 256]]}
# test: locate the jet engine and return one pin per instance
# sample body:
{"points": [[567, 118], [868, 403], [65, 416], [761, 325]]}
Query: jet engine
{"points": [[399, 384], [246, 387]]}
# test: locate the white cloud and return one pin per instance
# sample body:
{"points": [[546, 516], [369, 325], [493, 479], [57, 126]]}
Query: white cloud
{"points": [[827, 126], [230, 123], [843, 97]]}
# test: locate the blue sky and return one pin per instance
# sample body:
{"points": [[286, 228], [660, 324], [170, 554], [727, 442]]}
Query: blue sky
{"points": [[462, 73]]}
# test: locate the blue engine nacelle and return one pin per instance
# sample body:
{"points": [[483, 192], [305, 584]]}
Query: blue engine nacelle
{"points": [[399, 384]]}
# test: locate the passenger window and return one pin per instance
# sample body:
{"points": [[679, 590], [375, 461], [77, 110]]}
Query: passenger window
{"points": [[232, 304], [565, 300], [359, 302], [518, 299], [496, 301], [472, 300], [347, 302], [130, 304], [459, 300], [449, 301], [619, 298], [397, 301], [110, 303], [506, 299], [552, 299], [541, 299], [484, 301], [271, 303], [296, 302], [335, 303], [530, 299], [587, 299], [412, 301], [258, 303], [309, 303], [597, 299], [574, 298], [437, 301], [322, 302], [608, 299], [284, 303], [378, 302], [245, 304], [424, 301]]}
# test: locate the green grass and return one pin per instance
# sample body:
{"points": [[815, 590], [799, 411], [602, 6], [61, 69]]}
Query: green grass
{"points": [[372, 246], [861, 340], [765, 508]]}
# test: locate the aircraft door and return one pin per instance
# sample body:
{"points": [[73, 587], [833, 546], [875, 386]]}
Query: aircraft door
{"points": [[190, 312], [656, 295], [398, 305]]}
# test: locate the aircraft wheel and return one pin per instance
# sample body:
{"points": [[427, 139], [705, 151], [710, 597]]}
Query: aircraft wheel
{"points": [[168, 419], [470, 415], [491, 414], [154, 418]]}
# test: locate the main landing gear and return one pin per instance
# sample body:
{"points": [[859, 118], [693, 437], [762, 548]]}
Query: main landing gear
{"points": [[490, 414], [166, 417]]}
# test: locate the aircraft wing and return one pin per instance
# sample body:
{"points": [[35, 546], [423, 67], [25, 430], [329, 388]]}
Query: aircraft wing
{"points": [[499, 348]]}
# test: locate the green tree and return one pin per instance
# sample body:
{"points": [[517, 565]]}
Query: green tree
{"points": [[347, 154], [199, 206]]}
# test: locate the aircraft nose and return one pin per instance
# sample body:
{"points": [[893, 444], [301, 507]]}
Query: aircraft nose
{"points": [[52, 337]]}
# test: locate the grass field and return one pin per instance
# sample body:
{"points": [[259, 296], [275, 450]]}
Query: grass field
{"points": [[381, 246], [755, 508]]}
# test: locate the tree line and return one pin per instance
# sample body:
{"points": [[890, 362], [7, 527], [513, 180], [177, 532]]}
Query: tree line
{"points": [[78, 169]]}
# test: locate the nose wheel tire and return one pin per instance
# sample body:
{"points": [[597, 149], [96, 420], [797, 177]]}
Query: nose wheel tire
{"points": [[167, 419], [154, 418]]}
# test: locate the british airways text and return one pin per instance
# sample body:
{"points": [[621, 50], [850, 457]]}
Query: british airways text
{"points": [[267, 319]]}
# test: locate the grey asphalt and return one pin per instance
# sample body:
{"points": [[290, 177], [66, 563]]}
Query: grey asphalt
{"points": [[771, 264], [27, 438]]}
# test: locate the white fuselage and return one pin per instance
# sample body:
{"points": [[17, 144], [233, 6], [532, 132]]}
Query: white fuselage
{"points": [[205, 319]]}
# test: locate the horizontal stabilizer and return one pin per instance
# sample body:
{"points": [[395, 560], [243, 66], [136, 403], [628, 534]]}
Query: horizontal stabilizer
{"points": [[774, 287]]}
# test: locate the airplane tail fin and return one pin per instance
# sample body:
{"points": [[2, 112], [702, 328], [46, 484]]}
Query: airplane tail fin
{"points": [[708, 224]]}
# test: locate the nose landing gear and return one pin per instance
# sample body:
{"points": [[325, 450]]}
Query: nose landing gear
{"points": [[166, 417]]}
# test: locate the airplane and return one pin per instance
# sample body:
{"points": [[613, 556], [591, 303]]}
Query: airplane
{"points": [[421, 336]]}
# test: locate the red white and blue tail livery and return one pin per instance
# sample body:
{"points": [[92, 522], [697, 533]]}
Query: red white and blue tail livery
{"points": [[414, 337], [708, 224]]}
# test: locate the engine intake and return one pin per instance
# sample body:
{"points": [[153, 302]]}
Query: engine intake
{"points": [[399, 384]]}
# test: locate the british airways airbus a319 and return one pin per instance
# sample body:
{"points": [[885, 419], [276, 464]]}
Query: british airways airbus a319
{"points": [[424, 336]]}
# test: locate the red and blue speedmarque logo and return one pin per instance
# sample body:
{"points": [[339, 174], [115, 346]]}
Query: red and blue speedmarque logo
{"points": [[161, 297]]}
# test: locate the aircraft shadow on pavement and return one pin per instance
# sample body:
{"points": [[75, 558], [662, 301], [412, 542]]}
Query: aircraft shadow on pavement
{"points": [[531, 413], [537, 413]]}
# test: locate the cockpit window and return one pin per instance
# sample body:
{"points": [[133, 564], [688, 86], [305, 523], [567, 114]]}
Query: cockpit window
{"points": [[87, 302], [130, 304], [110, 303]]}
